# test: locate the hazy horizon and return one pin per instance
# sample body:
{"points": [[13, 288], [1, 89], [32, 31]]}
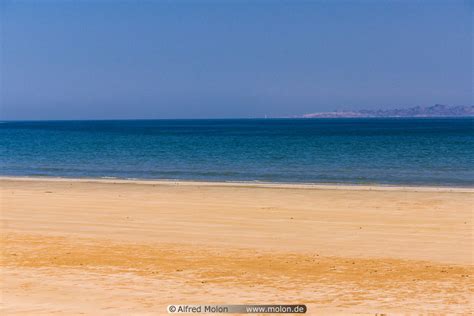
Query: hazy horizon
{"points": [[295, 116], [239, 59]]}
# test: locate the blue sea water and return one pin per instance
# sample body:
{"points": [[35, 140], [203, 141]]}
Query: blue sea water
{"points": [[353, 151]]}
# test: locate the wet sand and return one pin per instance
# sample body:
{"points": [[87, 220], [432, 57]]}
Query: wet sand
{"points": [[113, 247]]}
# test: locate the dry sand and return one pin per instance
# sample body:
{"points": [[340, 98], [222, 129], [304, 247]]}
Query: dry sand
{"points": [[73, 247]]}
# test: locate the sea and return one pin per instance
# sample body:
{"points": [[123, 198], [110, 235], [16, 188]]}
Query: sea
{"points": [[391, 151]]}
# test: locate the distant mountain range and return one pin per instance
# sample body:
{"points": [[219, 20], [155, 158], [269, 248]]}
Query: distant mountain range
{"points": [[438, 110]]}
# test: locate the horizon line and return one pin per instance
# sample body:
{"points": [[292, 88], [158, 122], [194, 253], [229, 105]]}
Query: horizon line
{"points": [[235, 118]]}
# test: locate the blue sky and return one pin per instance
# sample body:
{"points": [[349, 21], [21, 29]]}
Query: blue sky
{"points": [[219, 59]]}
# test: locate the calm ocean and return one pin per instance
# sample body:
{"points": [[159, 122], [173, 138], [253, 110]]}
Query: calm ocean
{"points": [[355, 151]]}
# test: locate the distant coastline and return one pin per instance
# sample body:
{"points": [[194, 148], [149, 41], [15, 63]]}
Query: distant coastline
{"points": [[437, 110]]}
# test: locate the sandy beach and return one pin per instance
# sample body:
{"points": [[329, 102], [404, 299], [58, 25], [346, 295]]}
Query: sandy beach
{"points": [[109, 247]]}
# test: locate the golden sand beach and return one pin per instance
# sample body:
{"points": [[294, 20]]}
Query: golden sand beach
{"points": [[110, 247]]}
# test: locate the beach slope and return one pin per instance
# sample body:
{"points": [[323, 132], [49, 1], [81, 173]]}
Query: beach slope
{"points": [[129, 247]]}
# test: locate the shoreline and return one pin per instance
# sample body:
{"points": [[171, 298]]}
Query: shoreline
{"points": [[247, 184]]}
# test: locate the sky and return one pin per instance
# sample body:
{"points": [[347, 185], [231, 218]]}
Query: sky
{"points": [[230, 59]]}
